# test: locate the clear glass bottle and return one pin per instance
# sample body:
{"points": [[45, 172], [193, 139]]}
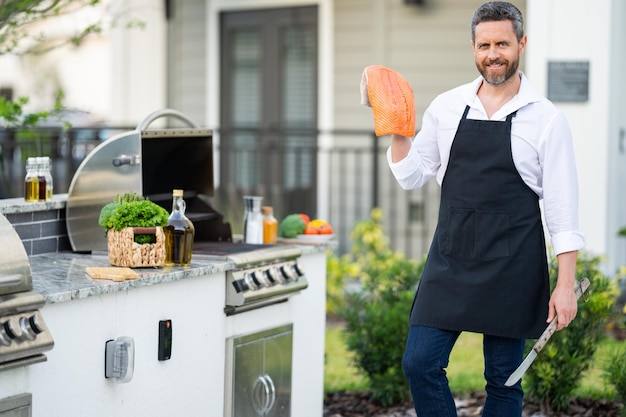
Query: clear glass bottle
{"points": [[41, 175], [179, 233], [47, 172], [252, 220], [31, 181], [270, 226]]}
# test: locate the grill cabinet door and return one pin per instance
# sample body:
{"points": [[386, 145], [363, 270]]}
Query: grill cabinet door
{"points": [[262, 374]]}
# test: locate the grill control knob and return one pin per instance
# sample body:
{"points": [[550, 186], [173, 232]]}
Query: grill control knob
{"points": [[5, 340], [35, 324], [276, 275], [289, 273], [240, 285], [297, 270], [12, 329], [259, 277], [270, 275], [30, 327], [253, 283]]}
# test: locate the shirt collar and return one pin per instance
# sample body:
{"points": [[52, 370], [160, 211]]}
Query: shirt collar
{"points": [[526, 95]]}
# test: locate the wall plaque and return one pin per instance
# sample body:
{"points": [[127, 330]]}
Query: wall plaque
{"points": [[568, 81]]}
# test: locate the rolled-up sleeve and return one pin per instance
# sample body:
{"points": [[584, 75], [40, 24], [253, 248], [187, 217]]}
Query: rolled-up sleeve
{"points": [[560, 186]]}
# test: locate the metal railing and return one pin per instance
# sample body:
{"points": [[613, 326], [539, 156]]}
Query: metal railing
{"points": [[351, 178]]}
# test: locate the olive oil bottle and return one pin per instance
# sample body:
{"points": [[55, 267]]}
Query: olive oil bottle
{"points": [[31, 181], [46, 165], [179, 233]]}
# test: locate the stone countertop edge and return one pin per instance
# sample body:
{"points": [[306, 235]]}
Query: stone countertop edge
{"points": [[18, 205], [61, 277]]}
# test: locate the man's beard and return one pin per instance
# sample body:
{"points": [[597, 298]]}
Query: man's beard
{"points": [[510, 70]]}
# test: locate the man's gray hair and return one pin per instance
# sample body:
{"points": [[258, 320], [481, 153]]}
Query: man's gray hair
{"points": [[497, 11]]}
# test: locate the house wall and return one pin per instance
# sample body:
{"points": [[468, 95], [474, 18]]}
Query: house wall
{"points": [[429, 45], [138, 63], [187, 59], [570, 30], [616, 214]]}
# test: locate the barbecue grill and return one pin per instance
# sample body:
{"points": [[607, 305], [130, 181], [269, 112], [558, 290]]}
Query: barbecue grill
{"points": [[23, 333], [150, 163]]}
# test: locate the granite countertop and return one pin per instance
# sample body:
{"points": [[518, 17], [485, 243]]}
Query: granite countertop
{"points": [[61, 277]]}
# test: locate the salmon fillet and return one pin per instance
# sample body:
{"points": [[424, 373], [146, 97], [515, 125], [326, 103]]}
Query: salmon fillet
{"points": [[390, 96]]}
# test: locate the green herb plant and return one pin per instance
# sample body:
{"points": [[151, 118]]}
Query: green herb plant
{"points": [[133, 210]]}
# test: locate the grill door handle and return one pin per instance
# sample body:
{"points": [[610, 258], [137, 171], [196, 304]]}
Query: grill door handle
{"points": [[126, 160], [143, 125], [263, 395], [10, 280], [272, 399]]}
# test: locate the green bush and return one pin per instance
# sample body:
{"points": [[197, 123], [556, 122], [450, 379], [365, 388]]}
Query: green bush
{"points": [[557, 371], [377, 314], [615, 372]]}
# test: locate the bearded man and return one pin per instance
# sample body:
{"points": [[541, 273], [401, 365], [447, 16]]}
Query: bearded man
{"points": [[497, 148]]}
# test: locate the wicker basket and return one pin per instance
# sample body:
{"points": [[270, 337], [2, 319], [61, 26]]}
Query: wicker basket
{"points": [[123, 251]]}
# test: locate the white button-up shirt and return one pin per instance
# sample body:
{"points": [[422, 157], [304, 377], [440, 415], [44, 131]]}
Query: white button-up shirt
{"points": [[541, 143]]}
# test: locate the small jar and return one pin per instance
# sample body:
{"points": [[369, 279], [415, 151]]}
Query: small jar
{"points": [[270, 226], [31, 181], [47, 173], [41, 176]]}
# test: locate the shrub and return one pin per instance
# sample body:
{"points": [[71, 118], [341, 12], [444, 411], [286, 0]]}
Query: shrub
{"points": [[615, 373], [377, 314], [557, 371]]}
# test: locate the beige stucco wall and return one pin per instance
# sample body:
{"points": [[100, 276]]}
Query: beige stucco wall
{"points": [[429, 45]]}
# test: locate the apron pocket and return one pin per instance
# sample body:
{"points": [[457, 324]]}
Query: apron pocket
{"points": [[492, 234], [476, 234]]}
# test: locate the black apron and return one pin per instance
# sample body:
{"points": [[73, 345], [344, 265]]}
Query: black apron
{"points": [[487, 270]]}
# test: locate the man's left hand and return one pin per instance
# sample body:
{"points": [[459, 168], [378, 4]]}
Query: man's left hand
{"points": [[563, 301]]}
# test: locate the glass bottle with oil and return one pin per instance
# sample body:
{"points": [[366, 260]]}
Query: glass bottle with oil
{"points": [[47, 172], [31, 181], [179, 233], [41, 176]]}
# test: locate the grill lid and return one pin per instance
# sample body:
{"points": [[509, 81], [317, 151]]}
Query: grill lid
{"points": [[148, 162], [15, 273]]}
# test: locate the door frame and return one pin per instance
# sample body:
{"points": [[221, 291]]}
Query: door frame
{"points": [[325, 106]]}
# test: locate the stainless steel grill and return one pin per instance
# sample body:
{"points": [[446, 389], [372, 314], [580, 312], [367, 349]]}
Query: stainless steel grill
{"points": [[23, 333], [149, 162]]}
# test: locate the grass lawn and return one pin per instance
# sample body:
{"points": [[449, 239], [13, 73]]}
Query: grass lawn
{"points": [[465, 371]]}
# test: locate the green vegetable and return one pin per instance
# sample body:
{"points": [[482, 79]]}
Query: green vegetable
{"points": [[106, 213], [139, 214], [132, 210], [291, 226]]}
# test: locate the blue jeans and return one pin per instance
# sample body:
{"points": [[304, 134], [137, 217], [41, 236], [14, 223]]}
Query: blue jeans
{"points": [[427, 355]]}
